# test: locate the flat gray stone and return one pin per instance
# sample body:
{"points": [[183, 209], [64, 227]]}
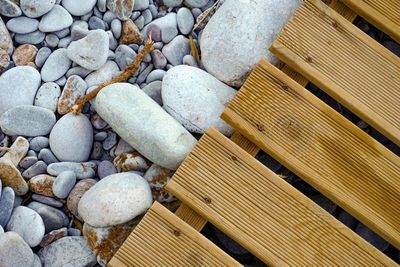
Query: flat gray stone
{"points": [[28, 224], [39, 167], [78, 7], [52, 218], [14, 251], [153, 90], [196, 99], [57, 19], [47, 96], [172, 3], [34, 38], [105, 169], [82, 170], [185, 20], [115, 199], [90, 52], [38, 143], [9, 9], [6, 205], [71, 138], [105, 73], [42, 56], [27, 121], [143, 124], [176, 50], [56, 65], [18, 86], [195, 3], [168, 26], [64, 183], [5, 38], [22, 25], [47, 156], [35, 8]]}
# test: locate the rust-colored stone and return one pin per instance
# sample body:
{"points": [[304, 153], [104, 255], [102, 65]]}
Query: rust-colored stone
{"points": [[76, 194], [10, 176], [25, 55], [42, 184], [130, 162], [4, 59], [130, 33]]}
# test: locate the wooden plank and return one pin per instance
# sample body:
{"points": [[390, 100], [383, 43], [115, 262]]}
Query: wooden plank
{"points": [[383, 14], [320, 146], [162, 239], [191, 217], [344, 62], [262, 212]]}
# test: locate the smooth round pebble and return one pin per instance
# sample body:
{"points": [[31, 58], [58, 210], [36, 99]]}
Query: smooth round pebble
{"points": [[22, 25], [185, 20], [64, 183], [42, 56], [105, 169], [196, 3], [56, 65], [14, 251], [176, 50], [6, 205], [38, 143], [35, 8], [57, 19], [78, 7], [52, 218]]}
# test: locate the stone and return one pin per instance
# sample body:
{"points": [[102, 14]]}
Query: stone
{"points": [[106, 241], [28, 161], [195, 3], [115, 199], [238, 34], [157, 136], [185, 20], [90, 52], [63, 184], [130, 33], [22, 25], [35, 9], [155, 75], [6, 205], [47, 96], [4, 60], [52, 40], [82, 170], [25, 55], [372, 237], [196, 99], [42, 56], [73, 89], [158, 59], [74, 232], [110, 141], [36, 169], [17, 151], [141, 5], [121, 147], [105, 169], [167, 26], [53, 236], [76, 194], [38, 143], [42, 184], [14, 251], [33, 38], [27, 121], [153, 90], [71, 138], [18, 86], [47, 201], [52, 218], [116, 28], [10, 176], [176, 50], [56, 65], [28, 224], [172, 3], [121, 8], [123, 53], [9, 9], [5, 38], [68, 251], [78, 7], [57, 19], [36, 261], [158, 177], [105, 73], [190, 61], [130, 162]]}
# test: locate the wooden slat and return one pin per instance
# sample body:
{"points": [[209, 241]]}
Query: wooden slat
{"points": [[262, 212], [162, 239], [320, 146], [384, 14], [344, 62]]}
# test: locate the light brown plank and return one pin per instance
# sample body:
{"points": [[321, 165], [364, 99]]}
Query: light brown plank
{"points": [[383, 14], [262, 212], [162, 239], [344, 62], [320, 146]]}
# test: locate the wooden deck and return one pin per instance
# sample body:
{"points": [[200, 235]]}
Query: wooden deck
{"points": [[221, 182]]}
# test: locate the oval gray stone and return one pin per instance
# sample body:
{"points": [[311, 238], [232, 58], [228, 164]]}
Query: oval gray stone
{"points": [[52, 218], [144, 125], [14, 251], [56, 65], [71, 138], [78, 7], [64, 183], [6, 205], [82, 170], [47, 96], [57, 19], [176, 50], [22, 25], [185, 20], [35, 8], [27, 121]]}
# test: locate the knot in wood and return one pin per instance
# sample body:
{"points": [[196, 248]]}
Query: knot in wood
{"points": [[177, 233], [207, 200]]}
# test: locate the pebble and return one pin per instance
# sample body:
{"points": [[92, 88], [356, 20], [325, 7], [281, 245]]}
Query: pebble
{"points": [[47, 96], [185, 20], [64, 183], [25, 55], [196, 3], [33, 38], [372, 237], [158, 59], [167, 26], [155, 75], [47, 201], [130, 33], [82, 170], [68, 251], [12, 177], [130, 162], [236, 37], [110, 141], [160, 139], [196, 99], [4, 60], [53, 236], [73, 89], [42, 185], [121, 147], [121, 8], [80, 71], [105, 73], [78, 7], [36, 261], [122, 54], [158, 177], [116, 28], [153, 90], [76, 194], [96, 23], [17, 151], [18, 87], [9, 9], [28, 224], [36, 169], [130, 196], [57, 19], [47, 156], [6, 205], [71, 138], [5, 38], [27, 121], [105, 169], [52, 40], [22, 25], [56, 65], [35, 9], [42, 56], [91, 51], [172, 3], [28, 161], [142, 76], [176, 50], [52, 218], [38, 143], [14, 251], [74, 232]]}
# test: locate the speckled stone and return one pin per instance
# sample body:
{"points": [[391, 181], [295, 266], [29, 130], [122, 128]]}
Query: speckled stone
{"points": [[122, 8], [15, 251]]}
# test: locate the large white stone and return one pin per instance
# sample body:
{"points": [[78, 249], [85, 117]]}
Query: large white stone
{"points": [[115, 199], [239, 35], [143, 124], [14, 251], [196, 99]]}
